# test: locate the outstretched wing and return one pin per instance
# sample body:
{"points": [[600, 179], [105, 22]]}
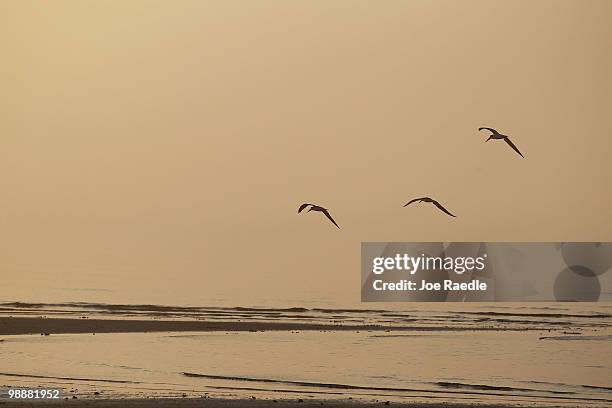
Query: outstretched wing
{"points": [[507, 139], [490, 129], [437, 204], [414, 200], [303, 206], [330, 217]]}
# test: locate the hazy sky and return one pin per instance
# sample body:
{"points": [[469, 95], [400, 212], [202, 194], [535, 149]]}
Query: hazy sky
{"points": [[160, 149]]}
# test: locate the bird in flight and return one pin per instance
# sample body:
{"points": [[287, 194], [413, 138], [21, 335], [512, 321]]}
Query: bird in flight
{"points": [[429, 200], [496, 135], [314, 207]]}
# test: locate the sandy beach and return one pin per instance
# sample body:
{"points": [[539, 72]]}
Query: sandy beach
{"points": [[41, 325], [234, 403], [169, 356]]}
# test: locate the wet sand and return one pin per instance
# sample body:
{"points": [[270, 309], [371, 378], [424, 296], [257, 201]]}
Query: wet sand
{"points": [[40, 325], [233, 403], [116, 371]]}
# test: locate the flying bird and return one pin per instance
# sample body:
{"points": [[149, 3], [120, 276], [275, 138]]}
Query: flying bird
{"points": [[314, 207], [496, 135], [429, 200]]}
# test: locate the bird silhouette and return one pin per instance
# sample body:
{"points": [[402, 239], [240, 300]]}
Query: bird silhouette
{"points": [[497, 136], [429, 200], [314, 207]]}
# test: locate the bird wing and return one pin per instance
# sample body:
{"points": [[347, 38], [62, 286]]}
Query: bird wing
{"points": [[414, 200], [488, 128], [330, 217], [507, 139], [437, 204], [303, 206]]}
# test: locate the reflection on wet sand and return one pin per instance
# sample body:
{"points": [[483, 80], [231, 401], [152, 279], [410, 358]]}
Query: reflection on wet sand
{"points": [[421, 355]]}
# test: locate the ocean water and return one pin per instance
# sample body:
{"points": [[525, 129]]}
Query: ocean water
{"points": [[537, 354]]}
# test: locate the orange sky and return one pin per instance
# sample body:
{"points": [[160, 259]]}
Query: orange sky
{"points": [[162, 148]]}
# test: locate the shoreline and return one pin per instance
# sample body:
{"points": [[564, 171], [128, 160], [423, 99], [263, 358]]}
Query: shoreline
{"points": [[50, 325], [237, 403]]}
